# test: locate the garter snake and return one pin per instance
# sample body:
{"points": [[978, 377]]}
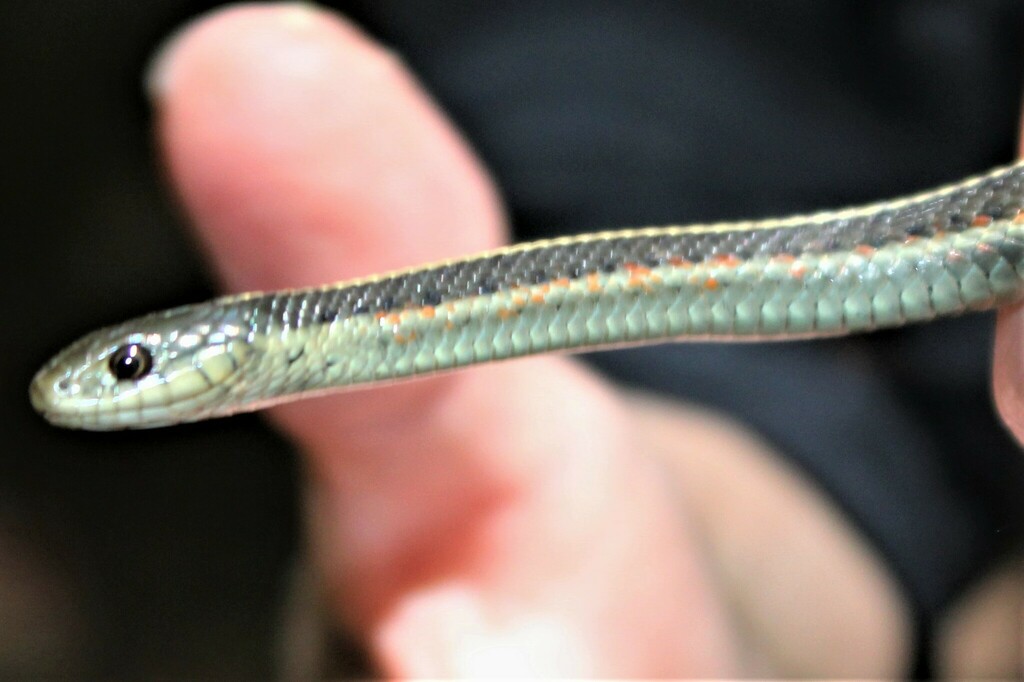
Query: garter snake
{"points": [[943, 252]]}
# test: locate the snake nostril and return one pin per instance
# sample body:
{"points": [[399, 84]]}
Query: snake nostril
{"points": [[64, 384]]}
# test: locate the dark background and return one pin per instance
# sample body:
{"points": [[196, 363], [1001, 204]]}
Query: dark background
{"points": [[167, 552]]}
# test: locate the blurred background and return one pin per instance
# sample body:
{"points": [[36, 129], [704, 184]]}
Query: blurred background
{"points": [[168, 553]]}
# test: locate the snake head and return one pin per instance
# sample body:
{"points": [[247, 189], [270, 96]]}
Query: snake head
{"points": [[163, 368]]}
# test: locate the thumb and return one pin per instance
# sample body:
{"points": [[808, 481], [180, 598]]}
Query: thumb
{"points": [[306, 155], [1008, 364], [455, 515], [1008, 368]]}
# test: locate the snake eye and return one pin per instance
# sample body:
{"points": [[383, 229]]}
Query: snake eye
{"points": [[131, 362]]}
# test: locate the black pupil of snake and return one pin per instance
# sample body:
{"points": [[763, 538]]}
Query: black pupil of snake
{"points": [[131, 362]]}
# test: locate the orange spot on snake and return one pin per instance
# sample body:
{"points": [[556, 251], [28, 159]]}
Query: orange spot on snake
{"points": [[783, 258], [981, 220], [798, 270], [505, 313], [519, 301], [1019, 218], [711, 283], [730, 260], [428, 312], [593, 282], [639, 276], [864, 250], [537, 298], [635, 269], [561, 282], [448, 324], [680, 262]]}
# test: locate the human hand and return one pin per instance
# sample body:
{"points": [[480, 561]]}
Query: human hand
{"points": [[520, 518]]}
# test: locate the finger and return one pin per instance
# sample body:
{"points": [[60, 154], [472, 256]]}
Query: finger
{"points": [[300, 148], [1008, 368], [306, 154], [292, 99], [1008, 363]]}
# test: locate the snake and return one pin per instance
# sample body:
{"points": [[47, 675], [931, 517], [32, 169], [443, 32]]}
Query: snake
{"points": [[937, 253]]}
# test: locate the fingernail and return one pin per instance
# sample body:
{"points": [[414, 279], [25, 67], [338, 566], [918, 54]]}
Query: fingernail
{"points": [[160, 73]]}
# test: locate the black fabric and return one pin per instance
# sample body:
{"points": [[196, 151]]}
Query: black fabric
{"points": [[596, 114]]}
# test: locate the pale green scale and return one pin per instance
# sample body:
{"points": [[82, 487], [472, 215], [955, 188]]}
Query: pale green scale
{"points": [[441, 353], [520, 337], [885, 304], [1005, 276], [635, 317], [750, 308], [828, 312], [801, 312], [857, 308], [677, 307], [464, 346], [945, 293], [722, 312], [483, 339], [699, 313], [595, 326], [775, 311], [576, 330]]}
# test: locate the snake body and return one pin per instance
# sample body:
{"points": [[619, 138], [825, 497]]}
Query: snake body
{"points": [[943, 252]]}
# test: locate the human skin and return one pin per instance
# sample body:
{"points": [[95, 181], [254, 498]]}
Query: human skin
{"points": [[518, 518]]}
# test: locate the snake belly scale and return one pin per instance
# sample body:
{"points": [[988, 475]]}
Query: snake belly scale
{"points": [[943, 252]]}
